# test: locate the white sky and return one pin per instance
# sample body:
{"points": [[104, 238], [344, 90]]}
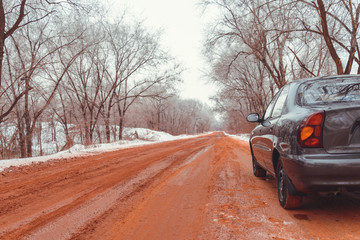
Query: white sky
{"points": [[183, 34]]}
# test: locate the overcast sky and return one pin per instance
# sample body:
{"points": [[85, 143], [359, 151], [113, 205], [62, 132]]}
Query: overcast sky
{"points": [[183, 34]]}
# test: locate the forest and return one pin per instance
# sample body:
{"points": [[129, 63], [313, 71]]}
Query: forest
{"points": [[71, 66], [256, 47]]}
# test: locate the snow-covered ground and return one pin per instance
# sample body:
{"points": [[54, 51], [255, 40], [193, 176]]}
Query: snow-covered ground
{"points": [[139, 136], [242, 137]]}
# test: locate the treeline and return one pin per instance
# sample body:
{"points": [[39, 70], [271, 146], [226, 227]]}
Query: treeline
{"points": [[255, 47], [173, 115], [67, 63]]}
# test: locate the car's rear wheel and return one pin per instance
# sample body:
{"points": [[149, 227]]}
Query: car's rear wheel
{"points": [[286, 200], [258, 171]]}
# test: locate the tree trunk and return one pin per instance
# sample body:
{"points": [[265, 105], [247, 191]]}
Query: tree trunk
{"points": [[2, 37], [121, 122], [107, 127], [39, 138], [28, 142], [28, 128], [69, 141], [327, 38], [158, 118], [87, 136], [99, 135], [21, 137], [2, 46], [86, 128]]}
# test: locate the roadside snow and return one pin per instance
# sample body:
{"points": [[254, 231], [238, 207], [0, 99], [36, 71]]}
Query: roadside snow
{"points": [[242, 137], [139, 136]]}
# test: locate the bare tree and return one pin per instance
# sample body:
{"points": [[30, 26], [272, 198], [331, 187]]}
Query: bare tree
{"points": [[63, 109], [139, 66], [256, 45], [135, 90], [186, 116], [41, 62], [100, 72], [255, 28], [338, 25], [15, 15], [85, 81]]}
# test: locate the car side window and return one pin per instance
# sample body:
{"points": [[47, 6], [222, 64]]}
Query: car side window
{"points": [[279, 105], [270, 108]]}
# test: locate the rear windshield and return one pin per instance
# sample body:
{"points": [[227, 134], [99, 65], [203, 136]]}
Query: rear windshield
{"points": [[325, 91]]}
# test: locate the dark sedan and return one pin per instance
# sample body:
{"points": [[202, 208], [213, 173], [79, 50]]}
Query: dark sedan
{"points": [[309, 138]]}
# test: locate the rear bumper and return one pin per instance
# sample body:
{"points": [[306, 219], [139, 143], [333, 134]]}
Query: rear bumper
{"points": [[322, 173]]}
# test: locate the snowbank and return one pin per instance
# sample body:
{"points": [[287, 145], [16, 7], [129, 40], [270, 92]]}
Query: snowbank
{"points": [[242, 137], [137, 136]]}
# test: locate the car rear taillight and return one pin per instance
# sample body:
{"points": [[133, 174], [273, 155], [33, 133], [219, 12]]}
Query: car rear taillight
{"points": [[310, 131]]}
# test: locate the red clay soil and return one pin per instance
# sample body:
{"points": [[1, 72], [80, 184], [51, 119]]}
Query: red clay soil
{"points": [[200, 188]]}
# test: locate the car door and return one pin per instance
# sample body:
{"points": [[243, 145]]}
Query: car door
{"points": [[263, 144], [276, 125], [261, 141]]}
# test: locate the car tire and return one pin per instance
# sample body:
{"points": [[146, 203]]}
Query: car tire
{"points": [[257, 170], [286, 200]]}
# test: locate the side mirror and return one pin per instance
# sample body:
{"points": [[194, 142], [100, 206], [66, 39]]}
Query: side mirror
{"points": [[253, 117]]}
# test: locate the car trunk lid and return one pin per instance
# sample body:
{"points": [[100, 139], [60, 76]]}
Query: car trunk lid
{"points": [[341, 132]]}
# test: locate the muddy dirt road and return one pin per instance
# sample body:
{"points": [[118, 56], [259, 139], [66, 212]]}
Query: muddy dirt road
{"points": [[200, 188]]}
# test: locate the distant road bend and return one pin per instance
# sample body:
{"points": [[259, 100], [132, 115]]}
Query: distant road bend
{"points": [[196, 188]]}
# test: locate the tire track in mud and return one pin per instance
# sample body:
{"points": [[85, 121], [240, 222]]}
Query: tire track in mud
{"points": [[200, 188], [100, 178], [238, 209], [99, 204], [113, 224]]}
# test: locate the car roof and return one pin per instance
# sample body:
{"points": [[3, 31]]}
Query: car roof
{"points": [[304, 80]]}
